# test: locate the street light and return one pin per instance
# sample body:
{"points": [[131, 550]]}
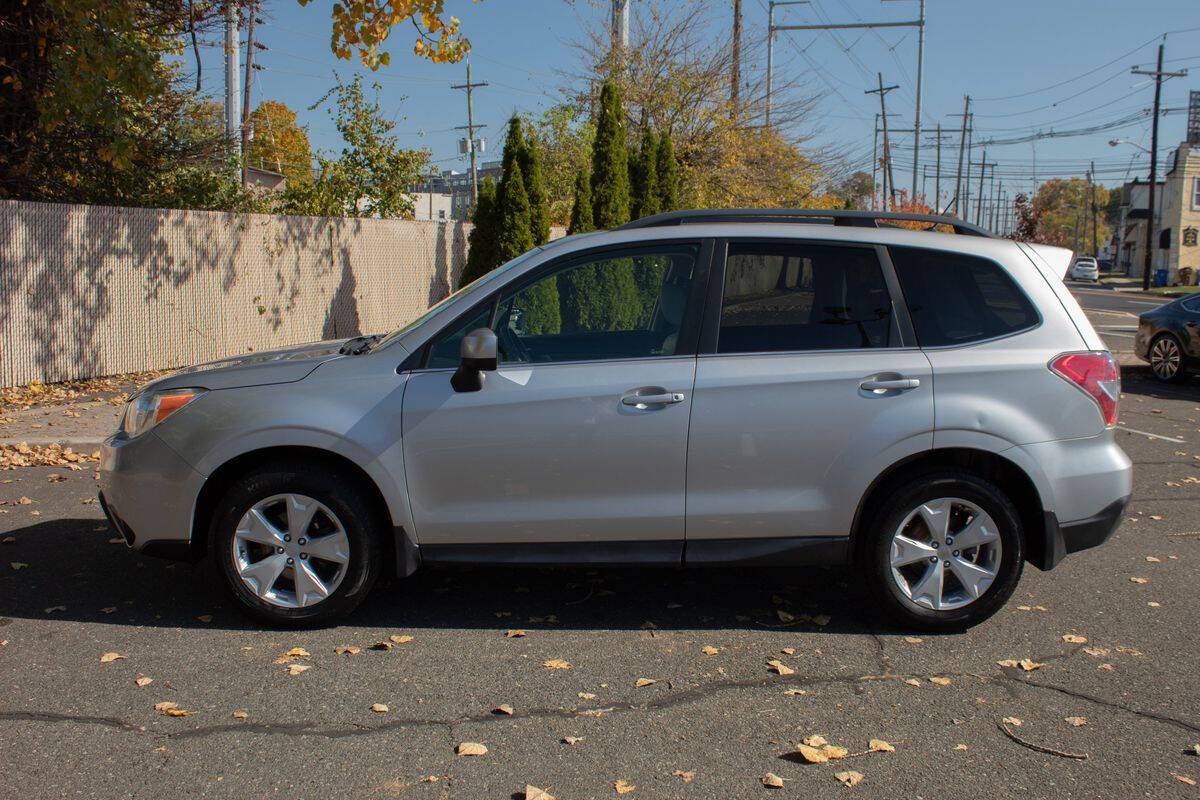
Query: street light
{"points": [[1115, 142]]}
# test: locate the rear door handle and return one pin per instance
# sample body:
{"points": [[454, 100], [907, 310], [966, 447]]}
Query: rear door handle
{"points": [[900, 384], [643, 400]]}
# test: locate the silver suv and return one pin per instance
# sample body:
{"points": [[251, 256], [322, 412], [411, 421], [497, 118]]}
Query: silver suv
{"points": [[694, 389]]}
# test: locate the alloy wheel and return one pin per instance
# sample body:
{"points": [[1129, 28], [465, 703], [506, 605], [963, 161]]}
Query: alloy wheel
{"points": [[945, 554], [291, 550], [1165, 358]]}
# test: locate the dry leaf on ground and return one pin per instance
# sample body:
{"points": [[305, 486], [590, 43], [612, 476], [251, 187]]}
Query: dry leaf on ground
{"points": [[640, 682], [503, 708], [586, 696], [1076, 722], [880, 746], [835, 752], [709, 650], [400, 639], [572, 739], [205, 618], [347, 650], [1106, 667], [813, 755], [515, 633], [1098, 652], [1139, 580], [777, 666], [1029, 665], [1071, 638], [912, 681], [109, 657], [1014, 721], [296, 669], [795, 692], [470, 749], [772, 780], [143, 681], [534, 793], [1196, 749], [913, 639], [940, 681], [1183, 779], [240, 714], [379, 708], [960, 747], [163, 706], [556, 663], [623, 787], [816, 740], [687, 776], [849, 777]]}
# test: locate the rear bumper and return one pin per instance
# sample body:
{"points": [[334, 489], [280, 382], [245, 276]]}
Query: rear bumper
{"points": [[1071, 537]]}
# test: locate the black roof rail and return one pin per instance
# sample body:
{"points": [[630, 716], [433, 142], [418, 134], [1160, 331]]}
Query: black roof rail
{"points": [[861, 219]]}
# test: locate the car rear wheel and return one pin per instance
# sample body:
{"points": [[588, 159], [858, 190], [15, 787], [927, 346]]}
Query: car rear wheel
{"points": [[944, 552], [1166, 358], [296, 545]]}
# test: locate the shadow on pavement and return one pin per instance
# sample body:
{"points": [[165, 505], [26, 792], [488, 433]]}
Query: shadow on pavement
{"points": [[76, 571]]}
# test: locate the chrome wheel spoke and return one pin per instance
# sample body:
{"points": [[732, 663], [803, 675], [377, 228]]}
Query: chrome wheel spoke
{"points": [[907, 551], [335, 548], [936, 516], [261, 575], [928, 590], [300, 513], [309, 586], [255, 527], [974, 578], [981, 530]]}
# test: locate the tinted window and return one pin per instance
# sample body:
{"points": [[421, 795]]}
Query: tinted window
{"points": [[783, 296], [1192, 304], [955, 298], [626, 304]]}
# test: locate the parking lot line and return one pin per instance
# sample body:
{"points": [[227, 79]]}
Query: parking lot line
{"points": [[1152, 435]]}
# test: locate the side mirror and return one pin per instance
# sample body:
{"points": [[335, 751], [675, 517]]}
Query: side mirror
{"points": [[478, 351]]}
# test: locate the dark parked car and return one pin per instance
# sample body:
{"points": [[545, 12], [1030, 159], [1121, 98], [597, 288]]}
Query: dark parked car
{"points": [[1169, 338]]}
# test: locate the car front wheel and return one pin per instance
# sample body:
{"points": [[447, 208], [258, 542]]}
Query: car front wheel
{"points": [[944, 552], [296, 545]]}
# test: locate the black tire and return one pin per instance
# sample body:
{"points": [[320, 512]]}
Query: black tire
{"points": [[876, 547], [1168, 340], [341, 495]]}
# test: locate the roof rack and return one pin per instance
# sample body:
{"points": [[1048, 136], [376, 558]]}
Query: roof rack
{"points": [[860, 219]]}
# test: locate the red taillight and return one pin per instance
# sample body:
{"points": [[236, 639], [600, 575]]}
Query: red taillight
{"points": [[1097, 374]]}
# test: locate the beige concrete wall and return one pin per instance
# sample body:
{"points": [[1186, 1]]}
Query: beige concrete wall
{"points": [[1180, 212], [95, 290]]}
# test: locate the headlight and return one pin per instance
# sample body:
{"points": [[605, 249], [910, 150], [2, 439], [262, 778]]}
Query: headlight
{"points": [[150, 408]]}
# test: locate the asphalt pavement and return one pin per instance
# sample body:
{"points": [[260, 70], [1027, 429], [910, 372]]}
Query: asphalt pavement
{"points": [[1116, 715]]}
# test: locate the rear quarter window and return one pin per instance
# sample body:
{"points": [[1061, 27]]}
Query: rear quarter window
{"points": [[956, 299]]}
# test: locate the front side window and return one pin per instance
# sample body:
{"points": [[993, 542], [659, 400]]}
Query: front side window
{"points": [[622, 304], [794, 296], [955, 298]]}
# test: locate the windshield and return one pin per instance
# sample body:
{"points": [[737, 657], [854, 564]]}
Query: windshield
{"points": [[437, 307]]}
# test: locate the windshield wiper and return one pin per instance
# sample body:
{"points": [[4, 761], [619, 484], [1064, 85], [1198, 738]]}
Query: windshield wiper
{"points": [[359, 344]]}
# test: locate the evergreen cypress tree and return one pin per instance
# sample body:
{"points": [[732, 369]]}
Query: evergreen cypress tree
{"points": [[481, 243], [535, 188], [610, 162], [581, 209], [645, 199], [668, 175], [513, 230]]}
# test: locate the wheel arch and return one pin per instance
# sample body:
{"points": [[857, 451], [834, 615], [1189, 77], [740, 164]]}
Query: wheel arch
{"points": [[398, 546], [1007, 476]]}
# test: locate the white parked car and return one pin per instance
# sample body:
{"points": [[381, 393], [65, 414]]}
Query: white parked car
{"points": [[1085, 268]]}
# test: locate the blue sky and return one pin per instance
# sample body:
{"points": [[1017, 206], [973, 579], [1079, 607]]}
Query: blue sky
{"points": [[1007, 55]]}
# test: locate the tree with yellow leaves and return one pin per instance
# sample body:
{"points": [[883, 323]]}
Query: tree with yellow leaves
{"points": [[362, 26]]}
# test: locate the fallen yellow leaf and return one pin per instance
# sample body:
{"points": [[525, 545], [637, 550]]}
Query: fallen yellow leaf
{"points": [[1183, 779], [534, 793], [144, 681], [913, 639], [176, 712], [1007, 662], [296, 669], [686, 776], [835, 752], [1098, 652], [960, 747], [812, 755], [400, 639], [556, 663], [1071, 638], [912, 681], [108, 657], [379, 708], [623, 787], [504, 708], [347, 650], [240, 714], [1139, 580], [772, 780], [1076, 722], [1029, 665], [849, 777], [779, 667], [640, 682], [470, 749], [516, 633], [816, 740], [709, 650], [1014, 721], [572, 739], [880, 746], [164, 706], [940, 681]]}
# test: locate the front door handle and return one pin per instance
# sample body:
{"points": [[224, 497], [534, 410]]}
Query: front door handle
{"points": [[900, 384], [659, 399]]}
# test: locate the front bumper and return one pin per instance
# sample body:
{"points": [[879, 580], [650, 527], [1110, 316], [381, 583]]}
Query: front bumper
{"points": [[148, 493]]}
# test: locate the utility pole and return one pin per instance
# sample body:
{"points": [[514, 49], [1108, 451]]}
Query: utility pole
{"points": [[771, 44], [1095, 232], [992, 191], [970, 123], [962, 142], [620, 25], [735, 72], [887, 156], [1158, 76], [874, 164], [470, 128], [937, 180], [251, 12], [917, 111], [233, 121], [924, 178], [983, 165]]}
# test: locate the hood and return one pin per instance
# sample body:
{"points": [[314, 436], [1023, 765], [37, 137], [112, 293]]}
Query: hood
{"points": [[285, 365]]}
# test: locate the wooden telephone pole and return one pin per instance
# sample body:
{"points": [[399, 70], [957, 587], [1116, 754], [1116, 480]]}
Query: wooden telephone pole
{"points": [[887, 154]]}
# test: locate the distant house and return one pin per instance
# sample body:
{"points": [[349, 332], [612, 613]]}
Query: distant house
{"points": [[451, 192], [265, 178]]}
